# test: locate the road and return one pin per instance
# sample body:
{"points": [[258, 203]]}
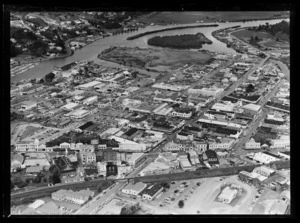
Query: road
{"points": [[237, 148], [101, 198]]}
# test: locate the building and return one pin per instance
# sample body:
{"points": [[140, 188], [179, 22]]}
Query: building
{"points": [[224, 143], [135, 159], [70, 106], [128, 145], [27, 105], [251, 144], [280, 143], [36, 204], [155, 168], [182, 112], [81, 113], [134, 189], [184, 136], [225, 106], [101, 167], [88, 157], [90, 100], [252, 108], [79, 197], [227, 195], [210, 156], [264, 158], [169, 87], [184, 163], [151, 192], [88, 85], [34, 169], [264, 171]]}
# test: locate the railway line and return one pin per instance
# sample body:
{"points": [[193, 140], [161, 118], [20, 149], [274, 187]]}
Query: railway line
{"points": [[46, 191]]}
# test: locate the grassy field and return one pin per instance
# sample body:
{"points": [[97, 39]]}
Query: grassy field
{"points": [[30, 130], [191, 17], [266, 38], [143, 58]]}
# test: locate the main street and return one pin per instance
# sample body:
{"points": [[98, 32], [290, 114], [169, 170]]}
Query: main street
{"points": [[92, 206], [238, 148]]}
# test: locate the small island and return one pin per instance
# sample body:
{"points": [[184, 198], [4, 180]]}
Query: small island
{"points": [[187, 41]]}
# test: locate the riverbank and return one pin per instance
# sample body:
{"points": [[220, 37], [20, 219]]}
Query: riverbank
{"points": [[168, 29], [188, 17]]}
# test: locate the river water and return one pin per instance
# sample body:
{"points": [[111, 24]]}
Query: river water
{"points": [[90, 51]]}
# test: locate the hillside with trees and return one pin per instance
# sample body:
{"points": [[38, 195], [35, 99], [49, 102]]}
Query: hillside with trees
{"points": [[281, 30], [187, 41]]}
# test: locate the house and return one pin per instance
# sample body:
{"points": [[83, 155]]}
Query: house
{"points": [[136, 159], [134, 189], [151, 192]]}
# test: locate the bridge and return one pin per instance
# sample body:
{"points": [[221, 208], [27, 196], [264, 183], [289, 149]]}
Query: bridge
{"points": [[21, 197]]}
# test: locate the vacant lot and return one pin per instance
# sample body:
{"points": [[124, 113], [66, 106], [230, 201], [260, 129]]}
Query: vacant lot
{"points": [[192, 17], [150, 58], [29, 131]]}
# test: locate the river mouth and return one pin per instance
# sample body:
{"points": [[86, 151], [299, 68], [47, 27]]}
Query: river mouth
{"points": [[93, 49]]}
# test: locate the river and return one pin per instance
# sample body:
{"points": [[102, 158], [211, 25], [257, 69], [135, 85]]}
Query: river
{"points": [[90, 51]]}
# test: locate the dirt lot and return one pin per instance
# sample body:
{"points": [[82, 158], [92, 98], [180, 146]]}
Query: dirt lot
{"points": [[144, 58], [191, 17]]}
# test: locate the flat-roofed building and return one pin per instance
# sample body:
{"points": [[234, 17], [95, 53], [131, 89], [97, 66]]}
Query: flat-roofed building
{"points": [[152, 191], [81, 113], [155, 168], [90, 100], [27, 105], [227, 195], [134, 189], [70, 106], [87, 85]]}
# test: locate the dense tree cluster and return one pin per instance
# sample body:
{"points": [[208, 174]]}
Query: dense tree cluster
{"points": [[283, 27], [130, 210], [180, 41]]}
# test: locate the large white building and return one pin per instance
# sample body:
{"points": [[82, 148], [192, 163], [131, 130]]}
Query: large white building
{"points": [[128, 145], [224, 143], [169, 87], [223, 106], [227, 195], [27, 105], [155, 168], [280, 143], [134, 189], [87, 85], [264, 158], [81, 113], [212, 91], [251, 144], [90, 100]]}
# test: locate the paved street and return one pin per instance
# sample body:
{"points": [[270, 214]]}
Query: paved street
{"points": [[92, 206]]}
